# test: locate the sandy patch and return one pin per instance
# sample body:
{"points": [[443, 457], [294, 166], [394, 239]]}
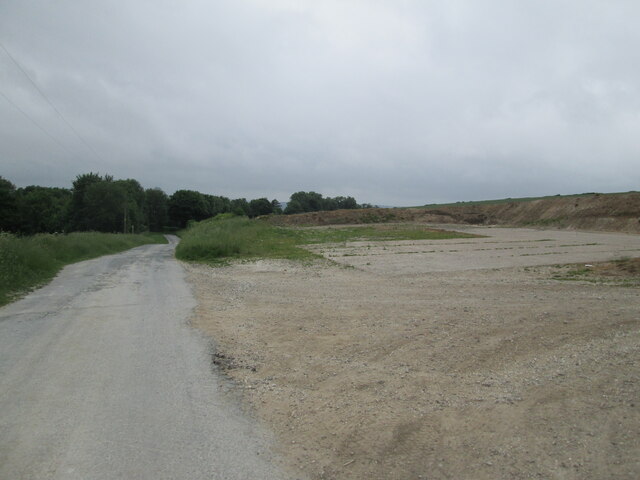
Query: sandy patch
{"points": [[393, 370]]}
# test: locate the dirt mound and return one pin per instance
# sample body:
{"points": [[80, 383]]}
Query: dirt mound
{"points": [[601, 212]]}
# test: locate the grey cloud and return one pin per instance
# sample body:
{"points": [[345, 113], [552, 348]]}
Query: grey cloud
{"points": [[394, 102]]}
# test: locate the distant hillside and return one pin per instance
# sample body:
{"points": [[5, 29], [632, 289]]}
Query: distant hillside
{"points": [[618, 212]]}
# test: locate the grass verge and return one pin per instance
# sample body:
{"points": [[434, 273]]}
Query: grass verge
{"points": [[219, 239], [28, 262]]}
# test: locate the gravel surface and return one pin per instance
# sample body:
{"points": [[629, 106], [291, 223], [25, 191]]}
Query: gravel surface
{"points": [[459, 359], [102, 378]]}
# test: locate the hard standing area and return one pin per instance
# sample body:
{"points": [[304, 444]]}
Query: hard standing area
{"points": [[502, 248], [438, 359]]}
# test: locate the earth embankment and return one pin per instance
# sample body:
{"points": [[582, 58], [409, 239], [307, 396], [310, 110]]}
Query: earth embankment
{"points": [[595, 212]]}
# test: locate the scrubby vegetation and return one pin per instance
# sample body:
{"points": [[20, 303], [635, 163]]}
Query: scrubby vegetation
{"points": [[26, 262], [622, 272], [224, 237]]}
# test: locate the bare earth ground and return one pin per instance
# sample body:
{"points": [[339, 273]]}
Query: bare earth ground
{"points": [[437, 359]]}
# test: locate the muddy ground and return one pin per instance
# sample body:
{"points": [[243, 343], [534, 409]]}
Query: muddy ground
{"points": [[462, 359]]}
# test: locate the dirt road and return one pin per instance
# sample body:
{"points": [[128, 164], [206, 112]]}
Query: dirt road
{"points": [[101, 378], [450, 359]]}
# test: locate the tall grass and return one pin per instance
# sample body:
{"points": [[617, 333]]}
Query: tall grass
{"points": [[223, 237], [26, 262], [237, 237]]}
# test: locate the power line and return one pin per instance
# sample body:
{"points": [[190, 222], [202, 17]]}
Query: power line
{"points": [[35, 123], [50, 104]]}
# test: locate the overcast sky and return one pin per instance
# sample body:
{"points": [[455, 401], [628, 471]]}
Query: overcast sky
{"points": [[394, 102]]}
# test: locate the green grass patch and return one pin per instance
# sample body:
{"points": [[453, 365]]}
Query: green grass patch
{"points": [[221, 238], [28, 262], [622, 272]]}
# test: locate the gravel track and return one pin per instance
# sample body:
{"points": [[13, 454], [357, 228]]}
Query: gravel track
{"points": [[101, 377]]}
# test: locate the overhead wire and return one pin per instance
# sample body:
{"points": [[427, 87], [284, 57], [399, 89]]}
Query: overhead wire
{"points": [[44, 130], [35, 85]]}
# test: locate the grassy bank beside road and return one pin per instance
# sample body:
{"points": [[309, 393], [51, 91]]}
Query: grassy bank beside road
{"points": [[27, 262], [218, 239], [224, 237]]}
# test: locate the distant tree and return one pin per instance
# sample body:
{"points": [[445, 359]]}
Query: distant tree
{"points": [[217, 204], [329, 204], [346, 203], [240, 206], [185, 205], [8, 213], [309, 201], [42, 209], [313, 202], [106, 206], [78, 214], [304, 202], [156, 209], [294, 206], [133, 210], [260, 206], [275, 206]]}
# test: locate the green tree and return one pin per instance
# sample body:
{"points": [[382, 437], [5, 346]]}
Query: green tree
{"points": [[240, 206], [8, 214], [79, 216], [260, 206], [106, 206], [346, 203], [217, 204], [133, 210], [42, 209], [185, 205], [294, 206], [313, 202], [275, 205], [330, 203], [156, 209], [304, 202]]}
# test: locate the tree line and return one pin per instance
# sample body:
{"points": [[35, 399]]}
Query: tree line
{"points": [[101, 203]]}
